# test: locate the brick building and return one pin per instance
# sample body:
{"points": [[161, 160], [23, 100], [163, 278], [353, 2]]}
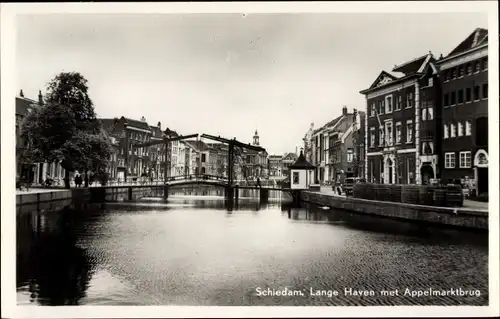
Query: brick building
{"points": [[392, 137], [464, 81], [341, 147]]}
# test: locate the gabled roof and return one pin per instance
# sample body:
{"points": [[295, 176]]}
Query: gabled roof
{"points": [[414, 66], [23, 105], [156, 132], [136, 123], [302, 163], [290, 156], [383, 78], [199, 146], [108, 125], [476, 38], [170, 133]]}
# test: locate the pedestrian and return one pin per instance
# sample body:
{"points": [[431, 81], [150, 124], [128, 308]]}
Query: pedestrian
{"points": [[78, 180]]}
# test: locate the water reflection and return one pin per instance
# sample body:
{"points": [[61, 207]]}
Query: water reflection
{"points": [[49, 264], [209, 251]]}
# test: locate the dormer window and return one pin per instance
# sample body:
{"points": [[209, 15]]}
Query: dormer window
{"points": [[430, 81]]}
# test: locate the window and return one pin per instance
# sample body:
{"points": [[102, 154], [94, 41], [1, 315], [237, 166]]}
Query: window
{"points": [[465, 159], [398, 132], [203, 158], [453, 132], [380, 137], [446, 132], [461, 71], [485, 64], [372, 137], [453, 73], [460, 96], [449, 160], [485, 90], [427, 148], [409, 100], [430, 113], [350, 155], [446, 75], [295, 178], [399, 102], [409, 131], [468, 69], [388, 132], [476, 92], [446, 101], [431, 81], [460, 129], [381, 106], [373, 109], [477, 66], [453, 98], [468, 94], [424, 114], [389, 104]]}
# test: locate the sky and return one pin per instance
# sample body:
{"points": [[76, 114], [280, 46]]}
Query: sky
{"points": [[230, 74]]}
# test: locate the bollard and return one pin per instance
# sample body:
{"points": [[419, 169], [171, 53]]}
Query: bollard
{"points": [[130, 193]]}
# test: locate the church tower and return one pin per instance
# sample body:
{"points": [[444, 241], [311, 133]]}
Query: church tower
{"points": [[256, 139]]}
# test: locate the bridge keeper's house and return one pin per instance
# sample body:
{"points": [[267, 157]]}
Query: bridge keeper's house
{"points": [[301, 173]]}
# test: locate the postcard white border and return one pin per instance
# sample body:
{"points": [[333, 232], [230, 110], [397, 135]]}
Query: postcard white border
{"points": [[8, 91]]}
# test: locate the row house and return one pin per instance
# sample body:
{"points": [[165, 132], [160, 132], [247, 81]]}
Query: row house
{"points": [[464, 82], [131, 162], [275, 166], [358, 140], [393, 123], [308, 149], [38, 172], [221, 157], [116, 161], [325, 157], [157, 156], [287, 161], [342, 147]]}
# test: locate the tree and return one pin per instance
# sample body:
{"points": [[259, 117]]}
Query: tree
{"points": [[65, 129]]}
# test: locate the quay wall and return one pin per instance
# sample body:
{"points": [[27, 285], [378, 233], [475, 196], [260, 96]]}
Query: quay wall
{"points": [[459, 217], [57, 197]]}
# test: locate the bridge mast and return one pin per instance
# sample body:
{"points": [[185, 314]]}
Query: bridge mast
{"points": [[230, 156]]}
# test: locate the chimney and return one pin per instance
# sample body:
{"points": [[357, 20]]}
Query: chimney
{"points": [[344, 110], [143, 119], [296, 150], [21, 94], [159, 125], [40, 97]]}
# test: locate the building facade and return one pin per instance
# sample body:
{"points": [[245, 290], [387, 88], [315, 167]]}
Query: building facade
{"points": [[464, 81], [358, 140], [288, 160], [275, 166], [341, 148], [308, 149], [392, 124], [33, 173]]}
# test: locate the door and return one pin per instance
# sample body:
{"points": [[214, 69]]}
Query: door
{"points": [[121, 176], [482, 180]]}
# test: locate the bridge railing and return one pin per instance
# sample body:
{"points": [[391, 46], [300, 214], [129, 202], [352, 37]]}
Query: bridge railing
{"points": [[145, 181]]}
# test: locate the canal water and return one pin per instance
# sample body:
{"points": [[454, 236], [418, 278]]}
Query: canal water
{"points": [[195, 250]]}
